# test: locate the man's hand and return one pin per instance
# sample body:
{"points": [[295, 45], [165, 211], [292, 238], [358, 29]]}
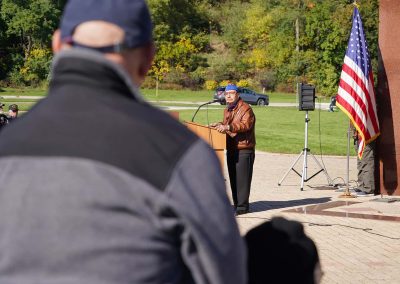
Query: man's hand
{"points": [[214, 125], [222, 128]]}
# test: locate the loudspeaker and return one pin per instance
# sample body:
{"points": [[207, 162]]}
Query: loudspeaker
{"points": [[306, 96]]}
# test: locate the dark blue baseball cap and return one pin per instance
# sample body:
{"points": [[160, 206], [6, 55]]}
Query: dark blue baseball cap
{"points": [[132, 16], [231, 87]]}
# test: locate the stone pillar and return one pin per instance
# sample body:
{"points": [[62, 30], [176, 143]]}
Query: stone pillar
{"points": [[388, 97]]}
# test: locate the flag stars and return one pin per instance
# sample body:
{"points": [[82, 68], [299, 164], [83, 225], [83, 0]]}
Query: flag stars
{"points": [[362, 63], [357, 49]]}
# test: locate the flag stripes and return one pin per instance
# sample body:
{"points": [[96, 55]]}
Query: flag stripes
{"points": [[356, 96]]}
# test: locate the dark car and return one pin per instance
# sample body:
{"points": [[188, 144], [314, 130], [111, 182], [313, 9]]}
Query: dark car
{"points": [[247, 95]]}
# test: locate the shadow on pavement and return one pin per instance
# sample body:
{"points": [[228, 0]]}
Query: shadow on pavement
{"points": [[260, 206]]}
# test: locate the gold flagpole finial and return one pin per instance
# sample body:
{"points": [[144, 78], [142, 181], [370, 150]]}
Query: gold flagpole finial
{"points": [[355, 4]]}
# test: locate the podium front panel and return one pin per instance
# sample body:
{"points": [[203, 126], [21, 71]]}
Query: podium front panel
{"points": [[216, 140]]}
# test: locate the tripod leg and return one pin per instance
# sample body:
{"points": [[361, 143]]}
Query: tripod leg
{"points": [[291, 168], [304, 173], [323, 169], [305, 151]]}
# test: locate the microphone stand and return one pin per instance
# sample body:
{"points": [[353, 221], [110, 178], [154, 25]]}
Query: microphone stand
{"points": [[207, 103]]}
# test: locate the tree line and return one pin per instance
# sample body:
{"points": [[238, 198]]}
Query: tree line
{"points": [[270, 44]]}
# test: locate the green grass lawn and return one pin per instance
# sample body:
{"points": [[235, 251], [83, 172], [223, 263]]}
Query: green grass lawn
{"points": [[22, 106], [177, 95], [163, 95], [203, 96], [22, 92], [279, 130], [282, 130]]}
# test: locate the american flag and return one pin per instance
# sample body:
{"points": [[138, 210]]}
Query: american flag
{"points": [[356, 96]]}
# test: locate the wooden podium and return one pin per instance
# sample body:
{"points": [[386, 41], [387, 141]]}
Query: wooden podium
{"points": [[215, 139]]}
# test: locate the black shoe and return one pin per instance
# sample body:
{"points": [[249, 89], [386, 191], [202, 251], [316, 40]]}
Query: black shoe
{"points": [[360, 192], [241, 212], [363, 193]]}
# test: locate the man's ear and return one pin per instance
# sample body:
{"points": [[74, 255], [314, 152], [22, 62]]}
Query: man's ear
{"points": [[148, 56], [56, 42]]}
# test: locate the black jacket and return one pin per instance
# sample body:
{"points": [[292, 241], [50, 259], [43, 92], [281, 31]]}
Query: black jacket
{"points": [[100, 187]]}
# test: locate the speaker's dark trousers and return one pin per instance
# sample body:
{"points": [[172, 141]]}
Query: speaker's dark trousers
{"points": [[366, 169], [240, 168]]}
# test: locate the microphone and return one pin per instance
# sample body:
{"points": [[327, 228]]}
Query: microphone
{"points": [[207, 103]]}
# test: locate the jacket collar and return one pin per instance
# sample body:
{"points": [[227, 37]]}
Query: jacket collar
{"points": [[97, 58], [235, 105]]}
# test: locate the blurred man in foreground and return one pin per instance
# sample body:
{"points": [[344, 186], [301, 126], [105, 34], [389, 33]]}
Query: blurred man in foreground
{"points": [[280, 252], [134, 198]]}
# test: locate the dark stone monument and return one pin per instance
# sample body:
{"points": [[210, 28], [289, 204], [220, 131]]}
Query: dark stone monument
{"points": [[388, 97]]}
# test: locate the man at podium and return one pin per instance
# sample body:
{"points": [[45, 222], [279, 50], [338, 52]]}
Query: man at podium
{"points": [[239, 124]]}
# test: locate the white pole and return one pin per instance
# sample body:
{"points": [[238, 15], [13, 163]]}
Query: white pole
{"points": [[348, 158], [347, 190]]}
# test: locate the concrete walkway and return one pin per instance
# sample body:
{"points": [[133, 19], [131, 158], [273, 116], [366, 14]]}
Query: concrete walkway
{"points": [[353, 246], [22, 97]]}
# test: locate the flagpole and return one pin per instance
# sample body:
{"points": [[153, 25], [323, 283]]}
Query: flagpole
{"points": [[347, 193], [359, 106]]}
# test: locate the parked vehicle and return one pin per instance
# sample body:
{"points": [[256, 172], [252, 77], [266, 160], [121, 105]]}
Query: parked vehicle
{"points": [[246, 94]]}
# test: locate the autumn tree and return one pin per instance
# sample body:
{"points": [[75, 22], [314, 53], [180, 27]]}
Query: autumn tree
{"points": [[29, 27]]}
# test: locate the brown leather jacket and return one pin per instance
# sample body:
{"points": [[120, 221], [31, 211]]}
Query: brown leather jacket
{"points": [[241, 121]]}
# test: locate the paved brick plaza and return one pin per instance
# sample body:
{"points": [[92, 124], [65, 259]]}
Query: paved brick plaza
{"points": [[353, 246]]}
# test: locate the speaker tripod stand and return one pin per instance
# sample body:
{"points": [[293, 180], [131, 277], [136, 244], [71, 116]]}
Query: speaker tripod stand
{"points": [[305, 153]]}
